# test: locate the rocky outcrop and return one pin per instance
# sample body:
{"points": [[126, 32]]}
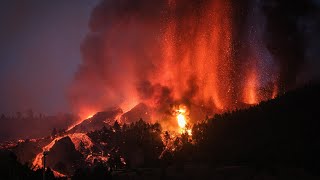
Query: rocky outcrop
{"points": [[63, 156], [98, 121]]}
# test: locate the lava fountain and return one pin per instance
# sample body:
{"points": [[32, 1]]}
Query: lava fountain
{"points": [[183, 118], [250, 90], [164, 53], [181, 121]]}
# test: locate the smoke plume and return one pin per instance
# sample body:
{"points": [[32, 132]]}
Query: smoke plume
{"points": [[206, 54]]}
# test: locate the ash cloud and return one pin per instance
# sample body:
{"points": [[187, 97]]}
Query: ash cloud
{"points": [[121, 54], [124, 63]]}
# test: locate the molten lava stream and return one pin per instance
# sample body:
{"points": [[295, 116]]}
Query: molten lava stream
{"points": [[80, 121]]}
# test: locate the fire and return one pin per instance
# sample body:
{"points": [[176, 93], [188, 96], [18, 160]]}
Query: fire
{"points": [[90, 116], [181, 121], [189, 131], [181, 117], [37, 162], [187, 53], [81, 120], [76, 138], [250, 94], [87, 113]]}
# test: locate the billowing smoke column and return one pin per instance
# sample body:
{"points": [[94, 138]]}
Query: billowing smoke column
{"points": [[169, 52]]}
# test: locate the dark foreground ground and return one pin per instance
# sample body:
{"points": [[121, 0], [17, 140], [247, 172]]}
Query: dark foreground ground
{"points": [[222, 173]]}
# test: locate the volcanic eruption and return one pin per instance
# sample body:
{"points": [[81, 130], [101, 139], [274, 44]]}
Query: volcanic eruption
{"points": [[161, 83], [167, 53]]}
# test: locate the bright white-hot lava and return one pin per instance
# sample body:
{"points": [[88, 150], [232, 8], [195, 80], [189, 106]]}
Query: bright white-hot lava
{"points": [[182, 120], [90, 116]]}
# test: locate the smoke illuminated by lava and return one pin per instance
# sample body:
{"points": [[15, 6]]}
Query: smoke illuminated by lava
{"points": [[165, 53]]}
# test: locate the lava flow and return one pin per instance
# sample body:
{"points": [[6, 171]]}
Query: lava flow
{"points": [[76, 139]]}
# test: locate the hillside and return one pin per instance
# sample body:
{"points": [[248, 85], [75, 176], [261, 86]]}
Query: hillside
{"points": [[276, 137], [281, 131]]}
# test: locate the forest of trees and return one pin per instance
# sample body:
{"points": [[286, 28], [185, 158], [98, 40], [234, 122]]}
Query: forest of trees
{"points": [[279, 132], [35, 127]]}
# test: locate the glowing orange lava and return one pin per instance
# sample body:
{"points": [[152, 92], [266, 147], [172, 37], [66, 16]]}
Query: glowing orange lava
{"points": [[87, 116], [250, 90], [187, 53], [199, 46], [76, 138], [181, 121], [37, 162], [90, 116], [181, 116]]}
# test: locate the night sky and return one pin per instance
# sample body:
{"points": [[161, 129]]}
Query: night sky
{"points": [[40, 52]]}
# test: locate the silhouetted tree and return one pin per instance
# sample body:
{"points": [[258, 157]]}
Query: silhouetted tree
{"points": [[166, 137], [61, 132], [49, 174], [116, 126], [98, 171]]}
